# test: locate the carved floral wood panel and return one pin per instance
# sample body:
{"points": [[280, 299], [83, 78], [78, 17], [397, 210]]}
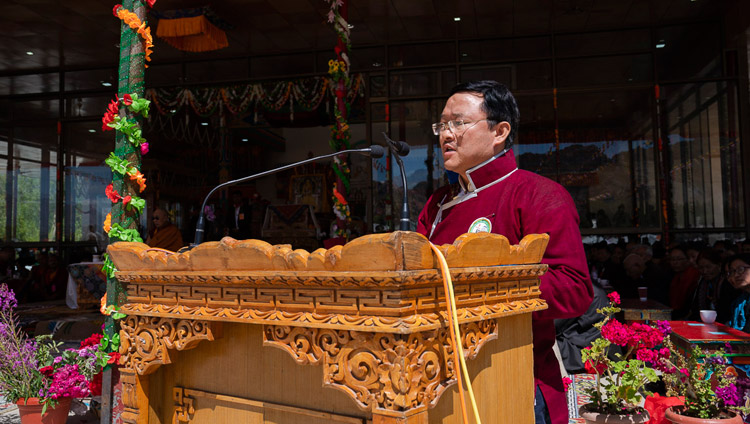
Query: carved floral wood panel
{"points": [[145, 342], [394, 372]]}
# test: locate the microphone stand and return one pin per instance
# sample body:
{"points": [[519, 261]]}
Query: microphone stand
{"points": [[405, 222], [201, 226]]}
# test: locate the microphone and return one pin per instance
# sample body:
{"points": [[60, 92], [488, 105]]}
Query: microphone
{"points": [[401, 149], [374, 151]]}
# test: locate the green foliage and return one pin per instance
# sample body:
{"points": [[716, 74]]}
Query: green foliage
{"points": [[120, 166], [137, 204], [122, 234], [139, 106]]}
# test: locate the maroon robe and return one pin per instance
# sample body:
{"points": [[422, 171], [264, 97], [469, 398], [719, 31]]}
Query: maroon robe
{"points": [[517, 203]]}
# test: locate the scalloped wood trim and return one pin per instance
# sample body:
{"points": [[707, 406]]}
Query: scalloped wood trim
{"points": [[396, 251]]}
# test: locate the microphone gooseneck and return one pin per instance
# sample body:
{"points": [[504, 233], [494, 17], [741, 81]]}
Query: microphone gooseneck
{"points": [[400, 148], [374, 151]]}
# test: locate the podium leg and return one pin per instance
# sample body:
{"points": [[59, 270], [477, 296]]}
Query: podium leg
{"points": [[134, 397]]}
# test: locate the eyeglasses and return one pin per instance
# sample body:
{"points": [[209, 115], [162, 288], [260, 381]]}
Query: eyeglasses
{"points": [[457, 127], [737, 271]]}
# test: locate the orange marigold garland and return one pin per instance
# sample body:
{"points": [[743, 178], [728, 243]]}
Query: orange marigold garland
{"points": [[132, 20], [108, 223]]}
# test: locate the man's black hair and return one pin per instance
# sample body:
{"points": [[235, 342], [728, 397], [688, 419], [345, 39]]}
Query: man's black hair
{"points": [[499, 104]]}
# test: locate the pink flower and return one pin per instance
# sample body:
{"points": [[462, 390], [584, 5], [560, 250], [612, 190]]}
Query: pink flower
{"points": [[614, 297], [144, 148], [566, 383]]}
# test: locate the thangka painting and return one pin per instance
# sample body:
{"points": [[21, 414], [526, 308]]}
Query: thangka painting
{"points": [[309, 189]]}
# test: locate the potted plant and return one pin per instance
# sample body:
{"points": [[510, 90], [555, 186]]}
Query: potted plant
{"points": [[36, 375], [621, 377], [711, 391]]}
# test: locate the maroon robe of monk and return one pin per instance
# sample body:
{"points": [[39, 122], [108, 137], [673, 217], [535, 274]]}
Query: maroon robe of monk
{"points": [[515, 203]]}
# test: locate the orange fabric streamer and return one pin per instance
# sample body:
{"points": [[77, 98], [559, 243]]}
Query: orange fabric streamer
{"points": [[131, 20], [192, 34]]}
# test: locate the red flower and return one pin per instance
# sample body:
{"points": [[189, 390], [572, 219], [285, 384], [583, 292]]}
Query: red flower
{"points": [[92, 340], [95, 385], [116, 8], [114, 358], [47, 371], [126, 200], [614, 297], [566, 383], [109, 114], [127, 100], [112, 194], [144, 148], [598, 369], [151, 3]]}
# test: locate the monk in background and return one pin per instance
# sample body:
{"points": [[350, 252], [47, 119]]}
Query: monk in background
{"points": [[165, 235]]}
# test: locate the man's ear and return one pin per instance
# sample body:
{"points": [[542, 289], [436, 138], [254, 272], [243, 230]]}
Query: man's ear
{"points": [[502, 132]]}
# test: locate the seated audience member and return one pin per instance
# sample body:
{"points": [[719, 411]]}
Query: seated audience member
{"points": [[713, 291], [628, 282], [574, 334], [658, 279], [739, 277], [683, 283], [164, 235], [692, 251], [601, 267]]}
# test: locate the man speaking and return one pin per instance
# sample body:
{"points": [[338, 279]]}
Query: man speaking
{"points": [[477, 128]]}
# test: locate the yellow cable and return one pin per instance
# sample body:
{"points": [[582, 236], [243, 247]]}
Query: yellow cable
{"points": [[456, 333]]}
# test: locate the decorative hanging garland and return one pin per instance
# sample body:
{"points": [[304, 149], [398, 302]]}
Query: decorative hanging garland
{"points": [[132, 20], [131, 128], [306, 94], [338, 69]]}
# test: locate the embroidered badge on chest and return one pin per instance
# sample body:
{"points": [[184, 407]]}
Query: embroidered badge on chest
{"points": [[480, 225]]}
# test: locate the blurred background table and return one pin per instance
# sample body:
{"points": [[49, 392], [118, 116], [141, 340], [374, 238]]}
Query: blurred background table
{"points": [[634, 310], [86, 284], [713, 337]]}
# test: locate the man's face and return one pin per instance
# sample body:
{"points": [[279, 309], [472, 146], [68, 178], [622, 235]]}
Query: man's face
{"points": [[160, 218], [474, 144]]}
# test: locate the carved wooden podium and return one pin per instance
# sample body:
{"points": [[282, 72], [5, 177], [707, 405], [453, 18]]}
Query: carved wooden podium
{"points": [[370, 314]]}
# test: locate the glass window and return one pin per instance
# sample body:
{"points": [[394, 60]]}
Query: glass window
{"points": [[506, 49], [86, 177], [705, 169], [422, 54], [218, 70], [534, 147], [273, 66], [158, 75], [586, 72], [33, 183], [92, 80], [603, 42], [414, 83], [606, 158]]}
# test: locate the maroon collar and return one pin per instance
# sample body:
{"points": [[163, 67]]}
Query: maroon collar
{"points": [[490, 171]]}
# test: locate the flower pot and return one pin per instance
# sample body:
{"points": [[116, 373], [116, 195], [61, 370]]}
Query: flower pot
{"points": [[30, 411], [673, 415], [593, 417]]}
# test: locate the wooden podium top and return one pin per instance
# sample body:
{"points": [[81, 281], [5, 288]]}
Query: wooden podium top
{"points": [[381, 282], [396, 251]]}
